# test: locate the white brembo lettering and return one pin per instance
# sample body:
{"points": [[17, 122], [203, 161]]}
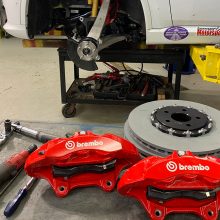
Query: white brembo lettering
{"points": [[71, 145], [89, 144], [172, 167]]}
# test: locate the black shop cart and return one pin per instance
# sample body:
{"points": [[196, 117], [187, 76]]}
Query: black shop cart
{"points": [[70, 97]]}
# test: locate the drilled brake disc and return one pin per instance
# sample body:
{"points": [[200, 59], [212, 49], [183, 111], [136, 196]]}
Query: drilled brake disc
{"points": [[160, 127]]}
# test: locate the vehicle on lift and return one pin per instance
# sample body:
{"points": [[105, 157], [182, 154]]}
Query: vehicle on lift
{"points": [[91, 26]]}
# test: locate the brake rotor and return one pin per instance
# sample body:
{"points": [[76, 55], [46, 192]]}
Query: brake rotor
{"points": [[160, 127]]}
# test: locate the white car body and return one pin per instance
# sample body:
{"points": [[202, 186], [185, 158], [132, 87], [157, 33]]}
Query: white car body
{"points": [[192, 15], [16, 12], [167, 21]]}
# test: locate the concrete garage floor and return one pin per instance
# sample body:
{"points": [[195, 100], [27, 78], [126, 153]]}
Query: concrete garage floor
{"points": [[30, 90]]}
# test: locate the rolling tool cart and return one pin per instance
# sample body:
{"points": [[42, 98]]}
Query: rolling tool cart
{"points": [[74, 95]]}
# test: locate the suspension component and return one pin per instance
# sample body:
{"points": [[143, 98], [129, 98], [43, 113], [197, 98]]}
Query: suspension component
{"points": [[88, 48]]}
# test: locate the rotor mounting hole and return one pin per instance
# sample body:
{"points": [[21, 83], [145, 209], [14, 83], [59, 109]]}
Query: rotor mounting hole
{"points": [[184, 110], [210, 213], [198, 118], [167, 120], [180, 117], [158, 213], [188, 125], [166, 111]]}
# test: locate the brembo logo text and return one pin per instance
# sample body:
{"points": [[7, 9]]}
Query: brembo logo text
{"points": [[172, 167], [71, 145]]}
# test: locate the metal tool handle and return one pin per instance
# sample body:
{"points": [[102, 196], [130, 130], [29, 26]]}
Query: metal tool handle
{"points": [[38, 135], [23, 130], [44, 137], [13, 204], [22, 193]]}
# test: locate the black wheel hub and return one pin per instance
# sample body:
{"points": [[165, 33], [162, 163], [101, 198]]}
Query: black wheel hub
{"points": [[181, 121]]}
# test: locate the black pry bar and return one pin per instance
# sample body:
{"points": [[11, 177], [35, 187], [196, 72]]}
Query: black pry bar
{"points": [[3, 190]]}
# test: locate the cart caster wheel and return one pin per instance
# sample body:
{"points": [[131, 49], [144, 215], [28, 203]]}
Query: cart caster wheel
{"points": [[69, 110]]}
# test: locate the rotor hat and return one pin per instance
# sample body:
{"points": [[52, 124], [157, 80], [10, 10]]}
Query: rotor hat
{"points": [[161, 127], [181, 121]]}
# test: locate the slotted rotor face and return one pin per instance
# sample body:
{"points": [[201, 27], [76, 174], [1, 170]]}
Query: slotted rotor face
{"points": [[151, 140]]}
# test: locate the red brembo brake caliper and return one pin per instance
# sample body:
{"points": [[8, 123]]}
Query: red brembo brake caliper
{"points": [[83, 160], [176, 184]]}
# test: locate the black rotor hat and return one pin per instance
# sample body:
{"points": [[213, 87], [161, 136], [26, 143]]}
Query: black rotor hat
{"points": [[181, 121]]}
